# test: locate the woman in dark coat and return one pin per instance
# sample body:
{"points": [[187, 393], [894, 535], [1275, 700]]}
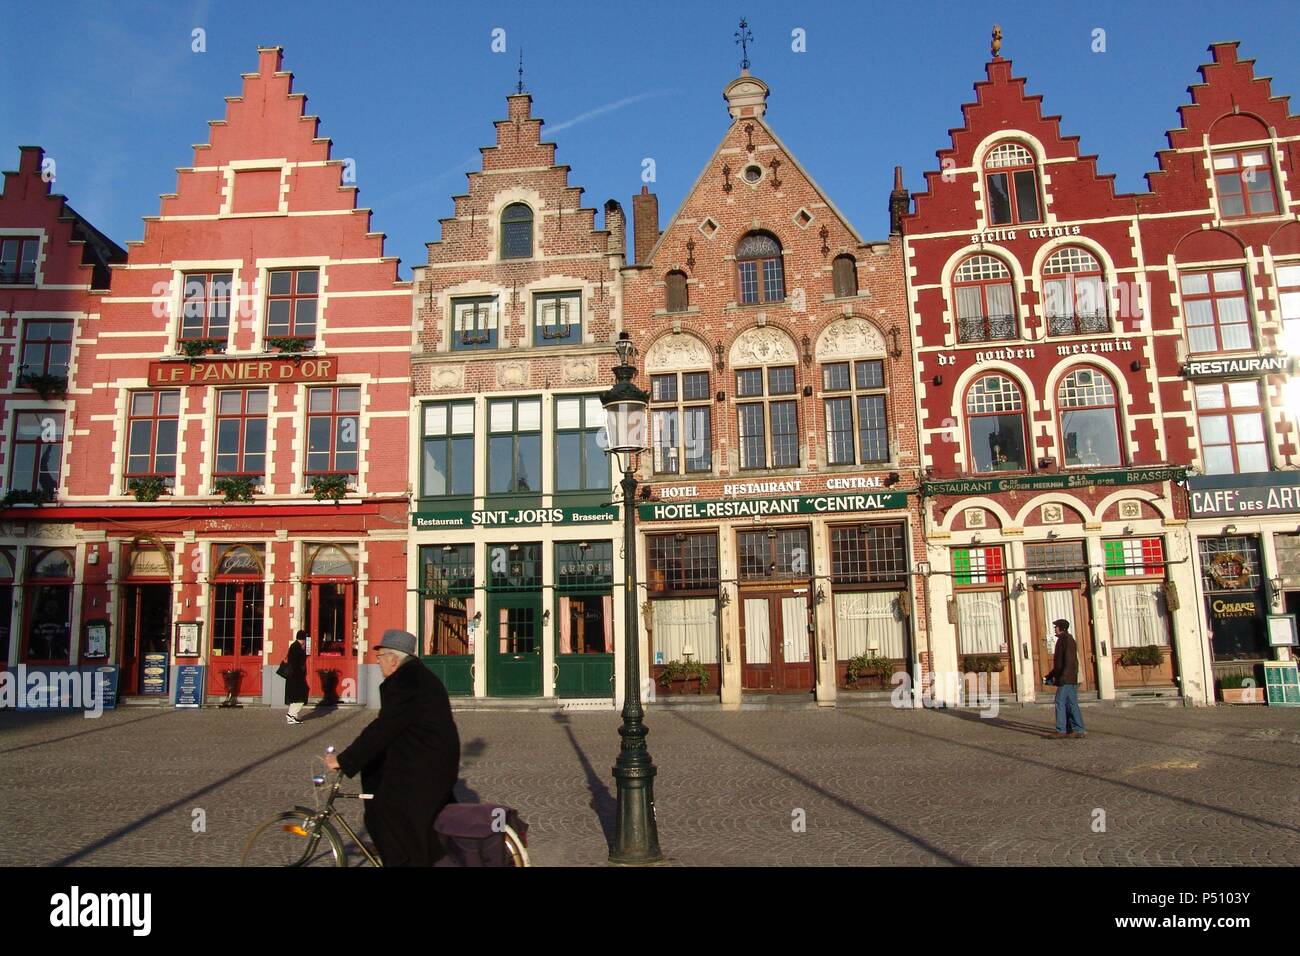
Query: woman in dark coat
{"points": [[295, 682]]}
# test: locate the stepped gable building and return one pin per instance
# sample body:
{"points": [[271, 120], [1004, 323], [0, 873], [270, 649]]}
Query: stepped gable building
{"points": [[1220, 233], [1051, 461], [779, 527], [54, 269], [242, 406], [515, 541]]}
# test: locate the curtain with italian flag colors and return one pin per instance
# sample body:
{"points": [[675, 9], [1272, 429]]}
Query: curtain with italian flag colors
{"points": [[1135, 557], [977, 566]]}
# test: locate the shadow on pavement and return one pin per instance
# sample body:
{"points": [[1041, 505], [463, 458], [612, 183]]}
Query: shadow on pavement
{"points": [[602, 801], [1001, 723], [82, 733]]}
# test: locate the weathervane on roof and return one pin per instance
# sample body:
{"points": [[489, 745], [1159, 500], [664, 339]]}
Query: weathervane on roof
{"points": [[519, 87], [996, 45], [744, 37]]}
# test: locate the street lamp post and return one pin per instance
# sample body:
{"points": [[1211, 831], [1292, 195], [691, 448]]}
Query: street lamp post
{"points": [[636, 837]]}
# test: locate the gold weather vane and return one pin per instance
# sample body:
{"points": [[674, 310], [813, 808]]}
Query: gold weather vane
{"points": [[996, 45], [744, 37]]}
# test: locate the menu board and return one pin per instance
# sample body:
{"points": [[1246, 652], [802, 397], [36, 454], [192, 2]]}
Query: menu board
{"points": [[189, 685], [153, 675]]}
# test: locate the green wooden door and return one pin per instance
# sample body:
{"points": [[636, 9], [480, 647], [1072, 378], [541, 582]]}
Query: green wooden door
{"points": [[584, 658], [514, 645]]}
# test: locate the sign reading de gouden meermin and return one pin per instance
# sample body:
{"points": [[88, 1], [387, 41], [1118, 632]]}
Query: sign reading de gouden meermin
{"points": [[236, 371]]}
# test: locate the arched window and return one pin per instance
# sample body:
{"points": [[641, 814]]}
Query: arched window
{"points": [[762, 276], [1074, 293], [985, 299], [48, 607], [678, 296], [517, 232], [995, 413], [845, 274], [1011, 183], [1089, 419]]}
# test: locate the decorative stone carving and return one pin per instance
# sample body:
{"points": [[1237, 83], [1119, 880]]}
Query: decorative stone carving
{"points": [[1130, 509], [581, 370], [448, 378], [1053, 514], [976, 518], [512, 374], [849, 338], [766, 346], [678, 352]]}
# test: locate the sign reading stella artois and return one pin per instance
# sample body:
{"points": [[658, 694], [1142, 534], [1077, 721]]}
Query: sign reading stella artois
{"points": [[243, 371], [1229, 569]]}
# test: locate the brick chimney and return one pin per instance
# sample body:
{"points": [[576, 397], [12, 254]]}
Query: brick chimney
{"points": [[900, 203], [616, 226], [645, 223]]}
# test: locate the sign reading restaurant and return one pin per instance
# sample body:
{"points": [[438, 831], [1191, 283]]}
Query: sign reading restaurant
{"points": [[243, 371], [770, 507], [512, 517], [1265, 493], [1247, 365], [990, 486]]}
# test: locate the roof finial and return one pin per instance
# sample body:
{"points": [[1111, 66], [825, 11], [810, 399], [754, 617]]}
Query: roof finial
{"points": [[996, 45], [744, 36], [519, 87]]}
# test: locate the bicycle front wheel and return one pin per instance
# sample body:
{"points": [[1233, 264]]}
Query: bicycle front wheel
{"points": [[294, 838], [515, 847]]}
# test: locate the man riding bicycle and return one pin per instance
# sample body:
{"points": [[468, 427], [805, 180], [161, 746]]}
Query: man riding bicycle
{"points": [[408, 757]]}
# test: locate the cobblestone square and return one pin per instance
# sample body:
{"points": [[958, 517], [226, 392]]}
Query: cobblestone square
{"points": [[851, 786]]}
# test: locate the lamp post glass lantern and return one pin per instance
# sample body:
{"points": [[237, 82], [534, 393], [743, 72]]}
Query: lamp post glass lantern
{"points": [[636, 837]]}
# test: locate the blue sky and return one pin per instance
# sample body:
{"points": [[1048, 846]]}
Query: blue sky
{"points": [[409, 90]]}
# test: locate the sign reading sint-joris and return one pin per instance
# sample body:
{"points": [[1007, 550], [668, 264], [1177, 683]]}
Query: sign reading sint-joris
{"points": [[512, 517], [246, 371]]}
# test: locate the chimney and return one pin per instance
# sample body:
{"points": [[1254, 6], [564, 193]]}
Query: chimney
{"points": [[900, 203], [645, 223], [616, 226]]}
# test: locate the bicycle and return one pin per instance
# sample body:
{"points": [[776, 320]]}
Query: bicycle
{"points": [[295, 837]]}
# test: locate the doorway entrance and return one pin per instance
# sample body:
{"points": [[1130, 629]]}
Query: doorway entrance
{"points": [[145, 632], [775, 650], [329, 619], [1054, 602], [514, 658], [237, 621]]}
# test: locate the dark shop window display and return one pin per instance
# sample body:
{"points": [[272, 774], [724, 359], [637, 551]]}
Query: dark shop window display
{"points": [[1235, 602]]}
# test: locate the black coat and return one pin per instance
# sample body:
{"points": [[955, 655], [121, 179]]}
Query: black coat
{"points": [[295, 685], [1065, 661], [409, 758]]}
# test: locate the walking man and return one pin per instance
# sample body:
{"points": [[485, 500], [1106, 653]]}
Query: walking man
{"points": [[408, 757], [1065, 675]]}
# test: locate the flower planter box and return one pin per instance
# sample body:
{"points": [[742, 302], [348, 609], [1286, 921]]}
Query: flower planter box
{"points": [[690, 685], [1242, 695]]}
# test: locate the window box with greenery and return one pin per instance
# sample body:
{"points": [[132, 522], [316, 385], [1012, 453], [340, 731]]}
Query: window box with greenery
{"points": [[1241, 689], [880, 669], [1140, 659], [46, 385], [684, 673], [19, 496], [197, 348], [333, 487], [982, 664], [148, 487], [290, 344], [236, 487]]}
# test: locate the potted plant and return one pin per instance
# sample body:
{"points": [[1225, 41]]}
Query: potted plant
{"points": [[1240, 689], [329, 686], [1149, 655], [868, 664], [981, 664], [18, 496], [194, 348], [233, 678], [147, 487], [289, 344], [44, 385], [329, 486], [235, 487], [682, 672]]}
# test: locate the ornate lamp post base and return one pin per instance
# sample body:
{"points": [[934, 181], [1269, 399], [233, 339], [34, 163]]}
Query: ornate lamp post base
{"points": [[636, 834]]}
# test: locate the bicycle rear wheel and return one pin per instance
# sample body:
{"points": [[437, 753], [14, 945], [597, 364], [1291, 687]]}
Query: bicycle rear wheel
{"points": [[294, 838], [515, 847]]}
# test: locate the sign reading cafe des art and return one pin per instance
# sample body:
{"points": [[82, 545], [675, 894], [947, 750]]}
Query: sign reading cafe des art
{"points": [[1264, 493]]}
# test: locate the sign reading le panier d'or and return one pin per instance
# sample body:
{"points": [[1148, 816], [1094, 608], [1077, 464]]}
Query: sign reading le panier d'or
{"points": [[765, 507], [230, 371], [1087, 479], [512, 517]]}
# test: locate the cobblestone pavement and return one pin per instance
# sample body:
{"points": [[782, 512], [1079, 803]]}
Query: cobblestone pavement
{"points": [[870, 785]]}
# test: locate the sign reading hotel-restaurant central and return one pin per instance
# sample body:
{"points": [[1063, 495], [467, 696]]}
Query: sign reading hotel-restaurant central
{"points": [[269, 370]]}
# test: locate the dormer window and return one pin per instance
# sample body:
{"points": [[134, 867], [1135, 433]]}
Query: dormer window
{"points": [[1244, 180], [18, 260], [517, 232], [677, 294], [761, 273], [844, 272], [1011, 184]]}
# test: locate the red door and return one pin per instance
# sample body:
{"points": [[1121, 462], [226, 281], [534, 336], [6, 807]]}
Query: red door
{"points": [[236, 643], [330, 622]]}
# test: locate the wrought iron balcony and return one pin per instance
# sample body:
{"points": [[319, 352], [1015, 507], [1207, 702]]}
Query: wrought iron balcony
{"points": [[1081, 323], [986, 328]]}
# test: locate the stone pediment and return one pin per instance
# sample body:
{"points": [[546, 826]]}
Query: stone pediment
{"points": [[763, 346], [849, 338], [677, 351]]}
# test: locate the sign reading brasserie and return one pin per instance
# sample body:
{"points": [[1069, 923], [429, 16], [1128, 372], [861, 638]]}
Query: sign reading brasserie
{"points": [[231, 371], [508, 517], [989, 486], [1247, 365], [768, 507], [1267, 493]]}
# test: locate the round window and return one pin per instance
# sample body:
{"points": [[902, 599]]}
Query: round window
{"points": [[753, 174]]}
